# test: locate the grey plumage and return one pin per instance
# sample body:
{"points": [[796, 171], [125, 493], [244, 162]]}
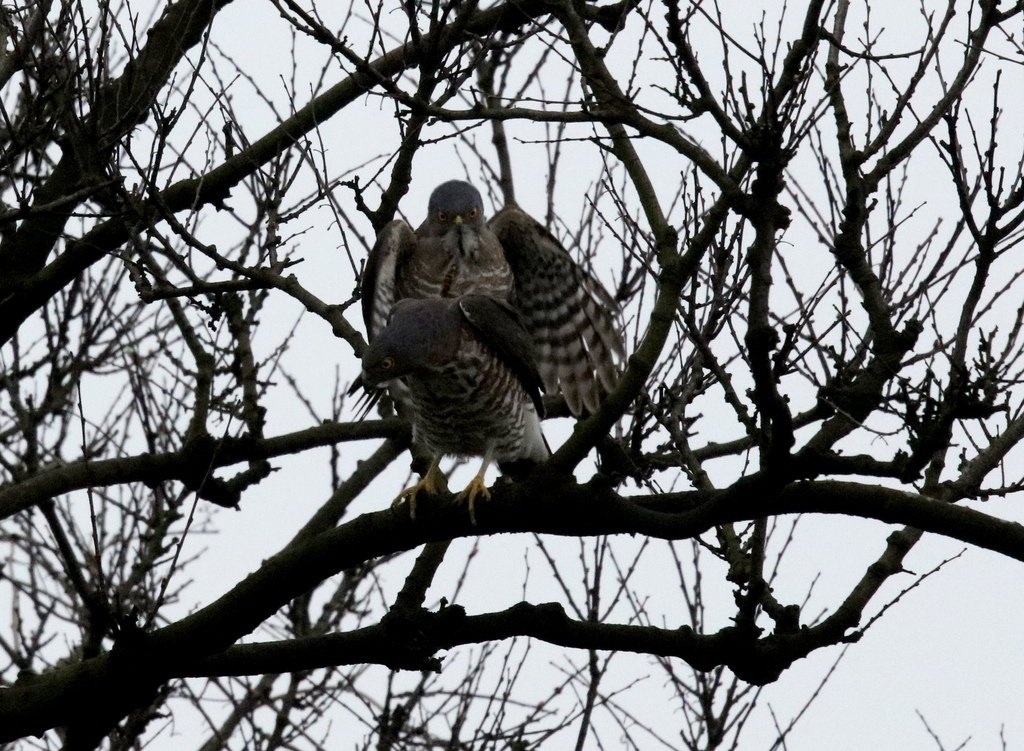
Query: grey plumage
{"points": [[473, 386], [451, 253], [567, 313]]}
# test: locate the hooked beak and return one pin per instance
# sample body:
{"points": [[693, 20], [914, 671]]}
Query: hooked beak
{"points": [[458, 219]]}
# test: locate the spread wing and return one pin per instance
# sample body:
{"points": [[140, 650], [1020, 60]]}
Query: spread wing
{"points": [[394, 246], [500, 327], [567, 312]]}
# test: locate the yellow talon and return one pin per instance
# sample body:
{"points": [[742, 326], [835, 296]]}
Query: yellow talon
{"points": [[476, 487], [432, 483]]}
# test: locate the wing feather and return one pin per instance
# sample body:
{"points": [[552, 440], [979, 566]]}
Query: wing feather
{"points": [[394, 245], [570, 316], [500, 327]]}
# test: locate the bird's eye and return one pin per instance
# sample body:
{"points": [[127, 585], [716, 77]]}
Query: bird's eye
{"points": [[442, 216], [472, 213], [387, 363]]}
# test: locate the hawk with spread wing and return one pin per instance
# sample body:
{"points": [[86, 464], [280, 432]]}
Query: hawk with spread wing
{"points": [[567, 313], [472, 383]]}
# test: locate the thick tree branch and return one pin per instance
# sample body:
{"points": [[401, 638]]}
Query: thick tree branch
{"points": [[117, 109], [215, 186], [56, 698], [190, 464]]}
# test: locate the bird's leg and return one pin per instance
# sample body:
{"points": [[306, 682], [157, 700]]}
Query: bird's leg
{"points": [[476, 487], [433, 482]]}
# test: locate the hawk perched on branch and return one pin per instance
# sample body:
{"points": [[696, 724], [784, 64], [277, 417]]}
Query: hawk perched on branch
{"points": [[568, 314], [472, 384]]}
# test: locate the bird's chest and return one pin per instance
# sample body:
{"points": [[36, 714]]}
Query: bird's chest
{"points": [[467, 404], [460, 263], [457, 389]]}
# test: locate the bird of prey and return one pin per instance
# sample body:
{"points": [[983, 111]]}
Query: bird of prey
{"points": [[567, 313], [472, 383]]}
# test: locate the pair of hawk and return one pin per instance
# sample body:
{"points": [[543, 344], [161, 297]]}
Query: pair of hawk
{"points": [[469, 321]]}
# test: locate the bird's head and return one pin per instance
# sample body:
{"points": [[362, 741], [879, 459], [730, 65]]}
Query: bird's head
{"points": [[455, 202], [420, 335]]}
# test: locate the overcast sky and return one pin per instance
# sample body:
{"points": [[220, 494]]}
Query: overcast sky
{"points": [[950, 649]]}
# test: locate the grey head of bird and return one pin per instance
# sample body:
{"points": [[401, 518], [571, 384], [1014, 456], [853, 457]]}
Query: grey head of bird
{"points": [[454, 203], [421, 335]]}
